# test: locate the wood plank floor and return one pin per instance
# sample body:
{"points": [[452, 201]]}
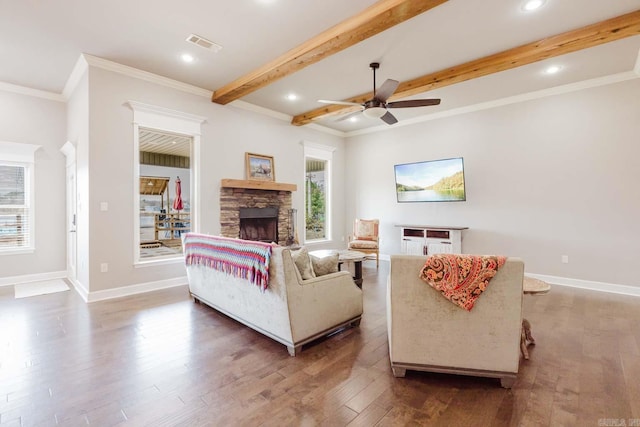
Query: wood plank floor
{"points": [[159, 359]]}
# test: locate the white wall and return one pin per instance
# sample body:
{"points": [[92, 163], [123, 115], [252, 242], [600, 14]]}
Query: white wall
{"points": [[31, 120], [545, 178], [228, 133]]}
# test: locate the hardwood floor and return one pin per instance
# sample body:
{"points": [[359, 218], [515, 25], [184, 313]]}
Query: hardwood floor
{"points": [[160, 359]]}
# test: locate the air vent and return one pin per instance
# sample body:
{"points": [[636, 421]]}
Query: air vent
{"points": [[202, 42]]}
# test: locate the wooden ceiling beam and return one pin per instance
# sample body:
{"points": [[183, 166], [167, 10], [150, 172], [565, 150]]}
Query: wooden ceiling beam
{"points": [[373, 20], [617, 28]]}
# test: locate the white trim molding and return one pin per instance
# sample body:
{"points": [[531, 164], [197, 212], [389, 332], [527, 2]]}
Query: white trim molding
{"points": [[29, 278], [588, 284], [18, 152], [74, 78], [558, 90], [165, 119], [37, 93], [140, 288], [105, 64]]}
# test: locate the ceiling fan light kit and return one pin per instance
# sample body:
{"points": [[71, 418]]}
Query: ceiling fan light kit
{"points": [[377, 107], [375, 112]]}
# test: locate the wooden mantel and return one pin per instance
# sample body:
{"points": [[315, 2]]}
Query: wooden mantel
{"points": [[257, 185]]}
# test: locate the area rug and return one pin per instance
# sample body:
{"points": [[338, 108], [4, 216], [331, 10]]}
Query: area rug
{"points": [[40, 288]]}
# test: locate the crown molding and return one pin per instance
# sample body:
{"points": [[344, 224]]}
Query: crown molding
{"points": [[105, 64], [37, 93], [154, 109], [243, 105], [76, 75], [544, 93]]}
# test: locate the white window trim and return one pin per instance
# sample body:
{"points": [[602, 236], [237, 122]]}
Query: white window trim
{"points": [[17, 154], [321, 152], [164, 119]]}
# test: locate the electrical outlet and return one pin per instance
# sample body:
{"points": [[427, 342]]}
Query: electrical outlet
{"points": [[565, 259], [104, 267]]}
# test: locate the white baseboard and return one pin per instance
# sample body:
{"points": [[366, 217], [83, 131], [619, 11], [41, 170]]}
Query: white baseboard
{"points": [[80, 288], [588, 284], [133, 289], [28, 278], [576, 283]]}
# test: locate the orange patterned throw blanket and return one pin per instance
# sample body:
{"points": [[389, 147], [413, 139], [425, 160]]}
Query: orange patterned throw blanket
{"points": [[461, 278]]}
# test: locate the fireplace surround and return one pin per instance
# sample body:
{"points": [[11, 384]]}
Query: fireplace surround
{"points": [[233, 200]]}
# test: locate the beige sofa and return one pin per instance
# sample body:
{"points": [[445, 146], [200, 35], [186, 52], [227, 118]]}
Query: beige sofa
{"points": [[429, 333], [292, 311]]}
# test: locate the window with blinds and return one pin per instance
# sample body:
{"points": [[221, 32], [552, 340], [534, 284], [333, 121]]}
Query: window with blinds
{"points": [[14, 207]]}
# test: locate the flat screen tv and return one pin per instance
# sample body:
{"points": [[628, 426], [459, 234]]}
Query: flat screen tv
{"points": [[431, 181]]}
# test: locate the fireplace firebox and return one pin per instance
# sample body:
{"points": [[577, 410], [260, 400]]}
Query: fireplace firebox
{"points": [[259, 224]]}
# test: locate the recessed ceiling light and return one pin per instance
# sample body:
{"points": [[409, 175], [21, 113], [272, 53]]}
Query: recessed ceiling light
{"points": [[552, 69], [187, 58], [292, 97], [353, 119], [531, 5]]}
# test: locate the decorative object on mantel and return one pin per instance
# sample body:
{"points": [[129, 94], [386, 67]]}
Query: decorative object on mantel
{"points": [[259, 167]]}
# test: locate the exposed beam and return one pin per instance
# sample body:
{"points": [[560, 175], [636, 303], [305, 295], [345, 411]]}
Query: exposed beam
{"points": [[373, 20], [592, 35]]}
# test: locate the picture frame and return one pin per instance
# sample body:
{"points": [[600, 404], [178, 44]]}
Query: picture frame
{"points": [[259, 167]]}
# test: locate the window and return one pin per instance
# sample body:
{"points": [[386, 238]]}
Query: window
{"points": [[16, 196], [317, 196], [166, 157]]}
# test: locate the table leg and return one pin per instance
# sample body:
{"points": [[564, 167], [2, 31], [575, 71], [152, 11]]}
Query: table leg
{"points": [[358, 277]]}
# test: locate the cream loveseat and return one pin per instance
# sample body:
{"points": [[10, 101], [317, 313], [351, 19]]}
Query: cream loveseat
{"points": [[291, 311], [429, 333]]}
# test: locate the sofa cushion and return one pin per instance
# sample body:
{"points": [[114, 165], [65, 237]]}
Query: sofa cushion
{"points": [[325, 265], [303, 262]]}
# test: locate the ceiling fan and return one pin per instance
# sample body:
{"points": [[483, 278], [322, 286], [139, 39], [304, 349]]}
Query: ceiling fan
{"points": [[378, 105]]}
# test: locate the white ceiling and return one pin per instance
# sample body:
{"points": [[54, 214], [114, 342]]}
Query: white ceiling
{"points": [[40, 42]]}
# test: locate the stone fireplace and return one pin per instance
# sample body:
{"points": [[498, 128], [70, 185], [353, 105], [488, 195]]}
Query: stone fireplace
{"points": [[263, 211]]}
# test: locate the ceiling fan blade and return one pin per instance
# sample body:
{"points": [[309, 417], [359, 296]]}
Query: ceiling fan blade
{"points": [[325, 101], [386, 90], [413, 103], [389, 118], [348, 116]]}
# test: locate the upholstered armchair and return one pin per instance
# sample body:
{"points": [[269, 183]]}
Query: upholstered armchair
{"points": [[365, 238], [429, 333]]}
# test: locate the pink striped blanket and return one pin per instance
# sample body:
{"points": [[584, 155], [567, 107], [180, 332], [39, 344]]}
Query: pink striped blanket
{"points": [[240, 258]]}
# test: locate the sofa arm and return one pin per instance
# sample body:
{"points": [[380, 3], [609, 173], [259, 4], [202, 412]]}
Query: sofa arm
{"points": [[319, 304]]}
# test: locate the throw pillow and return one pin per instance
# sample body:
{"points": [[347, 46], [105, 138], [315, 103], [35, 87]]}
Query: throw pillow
{"points": [[324, 265], [303, 262]]}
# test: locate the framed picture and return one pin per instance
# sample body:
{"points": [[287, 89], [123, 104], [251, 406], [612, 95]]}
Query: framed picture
{"points": [[259, 167]]}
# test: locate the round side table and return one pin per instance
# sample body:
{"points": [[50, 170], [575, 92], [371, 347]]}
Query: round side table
{"points": [[530, 286]]}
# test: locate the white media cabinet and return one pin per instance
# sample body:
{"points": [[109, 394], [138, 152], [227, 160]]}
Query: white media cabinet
{"points": [[430, 239]]}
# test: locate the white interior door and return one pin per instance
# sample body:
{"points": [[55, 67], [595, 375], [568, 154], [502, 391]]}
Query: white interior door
{"points": [[72, 190], [71, 221]]}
